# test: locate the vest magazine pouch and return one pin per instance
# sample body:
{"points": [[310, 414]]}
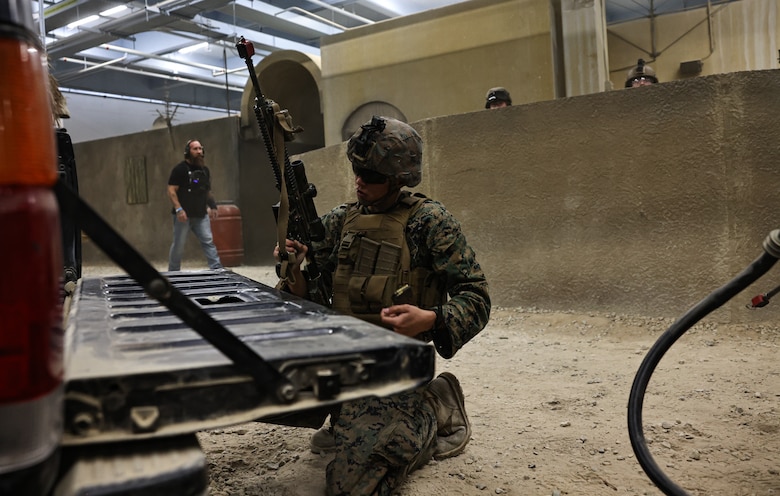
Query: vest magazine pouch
{"points": [[369, 294], [366, 257], [387, 258]]}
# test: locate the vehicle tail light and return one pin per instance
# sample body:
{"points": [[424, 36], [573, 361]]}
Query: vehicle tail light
{"points": [[31, 333], [30, 310]]}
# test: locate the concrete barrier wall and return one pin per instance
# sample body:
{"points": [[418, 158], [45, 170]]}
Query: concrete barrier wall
{"points": [[640, 201], [630, 201]]}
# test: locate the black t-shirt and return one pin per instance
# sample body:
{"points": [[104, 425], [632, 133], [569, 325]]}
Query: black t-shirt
{"points": [[194, 185]]}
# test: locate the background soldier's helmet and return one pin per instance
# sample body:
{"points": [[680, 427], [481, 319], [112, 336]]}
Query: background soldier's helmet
{"points": [[498, 94], [640, 71], [389, 147]]}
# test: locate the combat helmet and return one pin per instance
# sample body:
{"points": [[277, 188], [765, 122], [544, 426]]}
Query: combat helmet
{"points": [[390, 147], [498, 94], [640, 71]]}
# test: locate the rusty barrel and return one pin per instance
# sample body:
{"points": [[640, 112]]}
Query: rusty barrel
{"points": [[228, 234]]}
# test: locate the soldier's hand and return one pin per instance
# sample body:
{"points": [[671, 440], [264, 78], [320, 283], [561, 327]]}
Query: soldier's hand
{"points": [[408, 320], [296, 252]]}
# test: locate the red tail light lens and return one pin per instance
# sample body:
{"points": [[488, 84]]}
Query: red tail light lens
{"points": [[31, 334], [30, 311]]}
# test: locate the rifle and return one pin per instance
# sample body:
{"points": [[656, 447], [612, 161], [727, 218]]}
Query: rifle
{"points": [[295, 213]]}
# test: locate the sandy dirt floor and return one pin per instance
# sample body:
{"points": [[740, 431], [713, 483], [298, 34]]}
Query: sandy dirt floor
{"points": [[547, 396]]}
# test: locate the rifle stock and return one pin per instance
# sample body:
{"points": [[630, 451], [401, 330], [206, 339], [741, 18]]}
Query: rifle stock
{"points": [[295, 213]]}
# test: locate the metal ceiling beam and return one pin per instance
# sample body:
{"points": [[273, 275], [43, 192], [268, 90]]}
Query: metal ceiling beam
{"points": [[341, 11], [170, 77], [210, 28], [248, 13], [145, 55], [63, 13], [136, 22]]}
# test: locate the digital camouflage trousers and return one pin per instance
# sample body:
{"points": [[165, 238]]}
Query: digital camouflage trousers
{"points": [[379, 442]]}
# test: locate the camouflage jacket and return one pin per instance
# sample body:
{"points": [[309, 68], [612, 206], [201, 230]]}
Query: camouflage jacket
{"points": [[437, 243]]}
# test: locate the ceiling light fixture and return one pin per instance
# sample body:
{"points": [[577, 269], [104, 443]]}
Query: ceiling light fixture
{"points": [[83, 21], [113, 11]]}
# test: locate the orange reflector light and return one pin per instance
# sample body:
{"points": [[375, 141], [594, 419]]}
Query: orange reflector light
{"points": [[26, 125]]}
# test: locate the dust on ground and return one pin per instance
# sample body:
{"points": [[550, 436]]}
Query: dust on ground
{"points": [[547, 396]]}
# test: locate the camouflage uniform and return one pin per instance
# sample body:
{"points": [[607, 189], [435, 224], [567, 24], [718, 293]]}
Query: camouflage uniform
{"points": [[381, 440]]}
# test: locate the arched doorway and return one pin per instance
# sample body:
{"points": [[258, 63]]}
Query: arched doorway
{"points": [[291, 79], [364, 113]]}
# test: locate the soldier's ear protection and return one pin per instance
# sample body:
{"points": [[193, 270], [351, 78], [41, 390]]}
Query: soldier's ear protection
{"points": [[187, 149]]}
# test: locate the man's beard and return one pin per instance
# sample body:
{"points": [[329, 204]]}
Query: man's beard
{"points": [[199, 161]]}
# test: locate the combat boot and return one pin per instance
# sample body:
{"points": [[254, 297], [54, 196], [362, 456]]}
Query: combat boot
{"points": [[323, 441], [453, 429]]}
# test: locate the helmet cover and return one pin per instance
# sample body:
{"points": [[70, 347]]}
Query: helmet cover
{"points": [[497, 94], [640, 71], [390, 147]]}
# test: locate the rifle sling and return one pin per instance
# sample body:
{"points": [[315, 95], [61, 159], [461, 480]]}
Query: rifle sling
{"points": [[285, 272]]}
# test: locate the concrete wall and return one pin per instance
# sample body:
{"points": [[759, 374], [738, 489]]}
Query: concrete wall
{"points": [[439, 62], [442, 62], [626, 201], [241, 174], [104, 184]]}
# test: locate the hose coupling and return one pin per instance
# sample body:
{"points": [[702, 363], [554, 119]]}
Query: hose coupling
{"points": [[772, 243]]}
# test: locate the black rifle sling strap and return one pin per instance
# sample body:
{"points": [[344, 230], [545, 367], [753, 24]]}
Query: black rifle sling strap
{"points": [[160, 288]]}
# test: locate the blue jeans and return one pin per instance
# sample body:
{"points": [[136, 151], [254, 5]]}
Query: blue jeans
{"points": [[201, 226]]}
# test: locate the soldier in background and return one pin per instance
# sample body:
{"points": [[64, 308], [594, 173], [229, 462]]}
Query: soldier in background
{"points": [[497, 98], [424, 258], [641, 75]]}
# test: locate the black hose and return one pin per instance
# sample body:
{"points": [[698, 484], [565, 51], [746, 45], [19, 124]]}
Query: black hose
{"points": [[716, 299]]}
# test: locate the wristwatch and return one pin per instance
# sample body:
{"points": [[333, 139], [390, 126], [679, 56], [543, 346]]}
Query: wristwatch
{"points": [[179, 210], [439, 323]]}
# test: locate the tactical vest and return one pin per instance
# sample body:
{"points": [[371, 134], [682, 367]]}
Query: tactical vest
{"points": [[373, 270]]}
